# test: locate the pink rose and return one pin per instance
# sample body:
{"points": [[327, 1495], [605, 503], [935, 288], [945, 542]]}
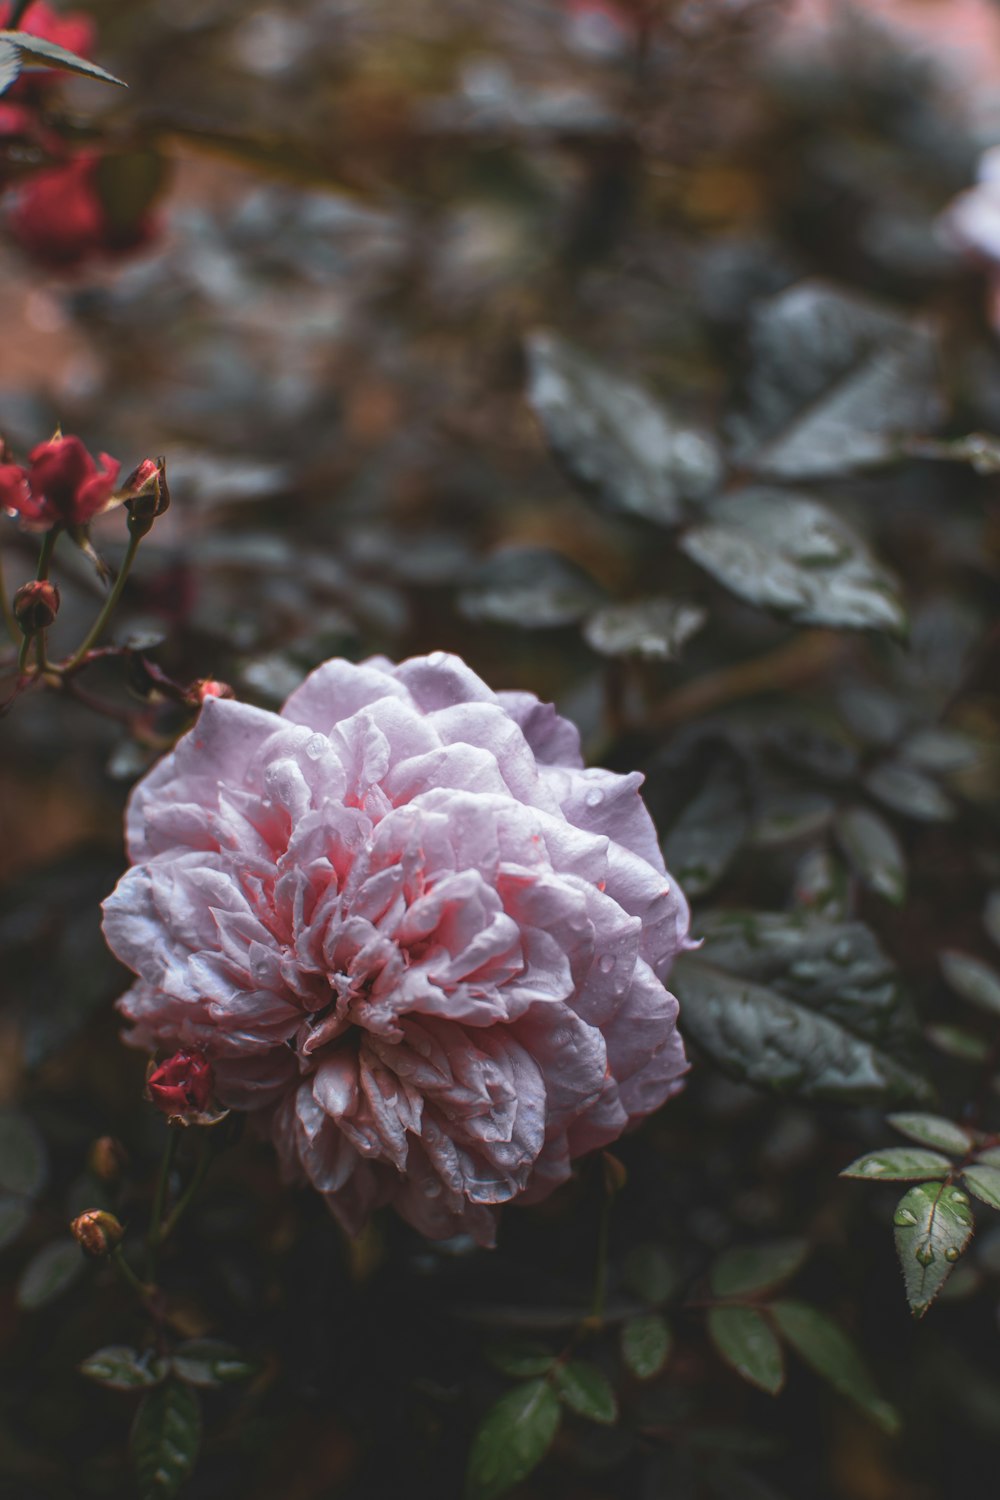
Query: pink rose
{"points": [[408, 927]]}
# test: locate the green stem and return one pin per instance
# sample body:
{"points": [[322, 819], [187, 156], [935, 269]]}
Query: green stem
{"points": [[186, 1198], [153, 1238], [22, 655], [110, 604], [45, 556], [13, 629], [125, 1271]]}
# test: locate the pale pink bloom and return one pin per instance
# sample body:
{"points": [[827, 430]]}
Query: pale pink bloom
{"points": [[405, 924]]}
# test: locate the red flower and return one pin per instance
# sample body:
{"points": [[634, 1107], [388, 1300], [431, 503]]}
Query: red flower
{"points": [[62, 487], [182, 1084], [59, 217], [75, 32]]}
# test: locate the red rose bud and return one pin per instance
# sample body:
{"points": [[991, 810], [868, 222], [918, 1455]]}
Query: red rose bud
{"points": [[147, 495], [36, 605], [59, 218], [207, 687], [182, 1085], [107, 1158], [97, 1232], [63, 485]]}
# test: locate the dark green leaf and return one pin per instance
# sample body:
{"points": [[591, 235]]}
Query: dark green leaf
{"points": [[940, 751], [123, 1369], [23, 1158], [933, 1225], [833, 381], [710, 831], [874, 851], [827, 1349], [166, 1436], [957, 1042], [655, 629], [754, 1268], [973, 980], [791, 554], [747, 1342], [933, 1130], [650, 1274], [984, 1181], [531, 587], [646, 1344], [900, 1164], [50, 1272], [513, 1439], [762, 1037], [14, 1215], [37, 54], [209, 1362], [585, 1389], [981, 450], [788, 816], [908, 791], [521, 1358], [613, 439]]}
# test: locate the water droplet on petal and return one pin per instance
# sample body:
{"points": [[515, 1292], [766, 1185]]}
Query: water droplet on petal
{"points": [[594, 797], [606, 963], [316, 746]]}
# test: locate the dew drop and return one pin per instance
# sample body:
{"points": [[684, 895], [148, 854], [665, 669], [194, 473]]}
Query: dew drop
{"points": [[925, 1254], [316, 746], [594, 797], [951, 1254], [874, 1169], [841, 951], [904, 1217], [606, 963]]}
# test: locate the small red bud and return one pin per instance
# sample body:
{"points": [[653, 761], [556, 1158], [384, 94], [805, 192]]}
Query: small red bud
{"points": [[107, 1158], [182, 1085], [147, 495], [208, 687], [36, 605], [97, 1232]]}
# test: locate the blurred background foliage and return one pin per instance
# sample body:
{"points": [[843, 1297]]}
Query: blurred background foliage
{"points": [[619, 348]]}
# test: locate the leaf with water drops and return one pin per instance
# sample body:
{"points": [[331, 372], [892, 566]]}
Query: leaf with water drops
{"points": [[51, 1271], [532, 588], [934, 1131], [210, 1363], [874, 852], [984, 1181], [748, 1343], [958, 1042], [166, 1436], [909, 791], [826, 1348], [512, 1439], [711, 829], [974, 980], [900, 1164], [655, 629], [748, 1269], [933, 1225], [585, 1389], [123, 1369], [37, 54], [646, 1342]]}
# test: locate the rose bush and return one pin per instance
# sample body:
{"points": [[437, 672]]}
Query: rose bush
{"points": [[411, 931]]}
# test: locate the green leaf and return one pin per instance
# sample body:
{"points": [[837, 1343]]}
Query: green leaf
{"points": [[934, 1131], [122, 1369], [24, 1164], [972, 979], [833, 380], [956, 1041], [984, 1181], [36, 54], [933, 1225], [909, 792], [826, 1349], [710, 831], [790, 554], [586, 1390], [874, 852], [654, 629], [899, 1164], [613, 439], [754, 1268], [166, 1436], [762, 1037], [646, 1343], [533, 588], [520, 1358], [14, 1215], [650, 1274], [940, 751], [513, 1439], [747, 1342], [49, 1273], [209, 1363]]}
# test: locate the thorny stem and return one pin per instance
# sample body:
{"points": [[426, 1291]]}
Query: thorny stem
{"points": [[110, 604]]}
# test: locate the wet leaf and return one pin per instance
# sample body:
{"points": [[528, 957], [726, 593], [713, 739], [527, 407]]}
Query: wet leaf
{"points": [[35, 54], [14, 1215], [828, 1350], [957, 1042], [23, 1158], [646, 1342], [793, 555], [974, 980], [984, 1182], [762, 1037], [747, 1342], [209, 1363], [710, 831], [934, 1131], [585, 1389], [533, 588], [874, 852], [122, 1369], [650, 1274], [49, 1273], [613, 438], [908, 791], [834, 381], [940, 751], [166, 1436], [655, 629], [933, 1225], [755, 1268], [899, 1164], [513, 1439], [520, 1357]]}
